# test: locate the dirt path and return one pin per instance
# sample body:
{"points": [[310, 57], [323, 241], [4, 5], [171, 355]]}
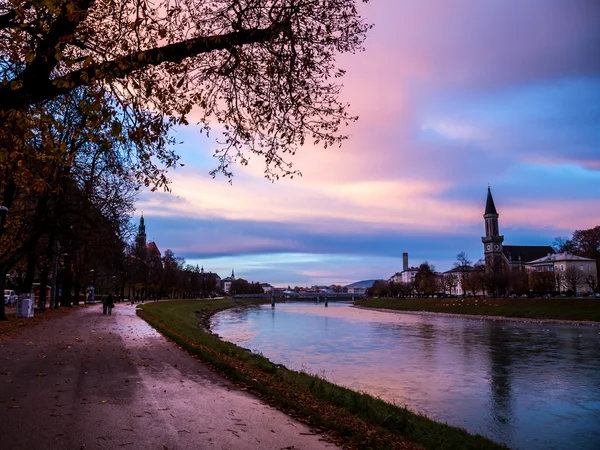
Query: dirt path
{"points": [[90, 381]]}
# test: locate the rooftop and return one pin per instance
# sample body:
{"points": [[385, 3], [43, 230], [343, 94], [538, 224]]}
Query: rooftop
{"points": [[561, 257]]}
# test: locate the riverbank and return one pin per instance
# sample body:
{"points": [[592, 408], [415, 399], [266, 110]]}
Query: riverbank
{"points": [[574, 311], [354, 420]]}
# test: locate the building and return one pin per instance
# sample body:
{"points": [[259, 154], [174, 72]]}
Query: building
{"points": [[407, 275], [502, 258], [226, 282], [454, 280], [360, 287], [571, 272], [140, 240], [267, 288]]}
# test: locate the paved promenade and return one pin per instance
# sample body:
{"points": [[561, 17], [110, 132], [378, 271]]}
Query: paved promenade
{"points": [[93, 381]]}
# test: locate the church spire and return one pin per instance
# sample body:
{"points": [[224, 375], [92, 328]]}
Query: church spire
{"points": [[490, 208], [142, 231]]}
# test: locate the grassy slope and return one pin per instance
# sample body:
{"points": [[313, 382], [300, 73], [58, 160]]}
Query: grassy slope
{"points": [[576, 309], [355, 420]]}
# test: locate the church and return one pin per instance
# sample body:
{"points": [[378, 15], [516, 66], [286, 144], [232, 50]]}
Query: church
{"points": [[499, 257]]}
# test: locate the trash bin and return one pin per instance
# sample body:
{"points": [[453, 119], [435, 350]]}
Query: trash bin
{"points": [[25, 306]]}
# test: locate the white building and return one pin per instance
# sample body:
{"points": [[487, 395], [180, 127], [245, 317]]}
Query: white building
{"points": [[453, 280], [568, 269], [407, 275], [226, 282]]}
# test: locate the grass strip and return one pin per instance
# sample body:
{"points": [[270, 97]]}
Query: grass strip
{"points": [[556, 308], [354, 420]]}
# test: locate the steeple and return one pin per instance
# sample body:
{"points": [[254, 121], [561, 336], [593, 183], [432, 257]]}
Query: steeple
{"points": [[490, 208], [142, 231], [492, 241], [232, 275]]}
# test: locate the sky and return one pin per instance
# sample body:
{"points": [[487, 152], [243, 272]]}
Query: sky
{"points": [[452, 95]]}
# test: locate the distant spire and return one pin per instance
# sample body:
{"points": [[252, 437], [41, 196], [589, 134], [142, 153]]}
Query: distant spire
{"points": [[490, 208], [232, 275], [202, 270]]}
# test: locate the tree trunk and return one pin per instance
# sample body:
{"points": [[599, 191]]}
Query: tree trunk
{"points": [[30, 273], [65, 299], [77, 289], [2, 280]]}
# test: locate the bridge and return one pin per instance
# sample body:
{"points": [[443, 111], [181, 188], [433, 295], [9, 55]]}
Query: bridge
{"points": [[319, 297]]}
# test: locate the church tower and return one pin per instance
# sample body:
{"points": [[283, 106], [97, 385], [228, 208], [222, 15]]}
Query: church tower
{"points": [[141, 236], [492, 241]]}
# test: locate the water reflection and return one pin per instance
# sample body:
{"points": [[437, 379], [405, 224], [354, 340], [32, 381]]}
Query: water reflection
{"points": [[531, 386]]}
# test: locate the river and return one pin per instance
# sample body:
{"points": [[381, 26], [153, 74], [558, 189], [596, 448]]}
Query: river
{"points": [[527, 385]]}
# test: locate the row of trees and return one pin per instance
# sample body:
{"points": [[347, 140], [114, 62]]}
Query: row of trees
{"points": [[90, 91]]}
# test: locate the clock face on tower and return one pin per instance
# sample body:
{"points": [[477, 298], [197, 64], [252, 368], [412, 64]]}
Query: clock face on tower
{"points": [[489, 247], [496, 247]]}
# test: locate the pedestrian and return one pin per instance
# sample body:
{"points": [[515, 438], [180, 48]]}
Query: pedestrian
{"points": [[110, 303], [104, 304]]}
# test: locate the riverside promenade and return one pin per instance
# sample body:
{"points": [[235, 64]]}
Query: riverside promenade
{"points": [[91, 381]]}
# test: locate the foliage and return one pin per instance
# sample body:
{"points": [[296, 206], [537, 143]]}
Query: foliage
{"points": [[263, 70], [239, 286], [426, 280]]}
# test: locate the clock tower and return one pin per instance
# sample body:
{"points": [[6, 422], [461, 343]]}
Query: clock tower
{"points": [[492, 241]]}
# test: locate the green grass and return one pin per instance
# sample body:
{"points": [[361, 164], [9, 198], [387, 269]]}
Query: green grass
{"points": [[354, 420], [560, 308]]}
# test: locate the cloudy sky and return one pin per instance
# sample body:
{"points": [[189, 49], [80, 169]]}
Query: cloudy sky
{"points": [[451, 95]]}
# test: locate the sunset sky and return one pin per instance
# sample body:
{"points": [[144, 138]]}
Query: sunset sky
{"points": [[451, 95]]}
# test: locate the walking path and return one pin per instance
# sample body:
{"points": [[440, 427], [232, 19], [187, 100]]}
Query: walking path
{"points": [[93, 381]]}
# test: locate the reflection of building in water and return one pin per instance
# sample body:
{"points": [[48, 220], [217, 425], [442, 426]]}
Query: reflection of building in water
{"points": [[501, 360]]}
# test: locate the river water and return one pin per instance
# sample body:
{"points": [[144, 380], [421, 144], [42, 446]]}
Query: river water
{"points": [[527, 385]]}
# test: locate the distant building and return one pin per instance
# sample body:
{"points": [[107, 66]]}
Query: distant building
{"points": [[226, 282], [267, 288], [500, 257], [360, 287], [407, 275], [140, 240], [568, 269], [453, 280]]}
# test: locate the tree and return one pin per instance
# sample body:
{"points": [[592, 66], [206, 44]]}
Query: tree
{"points": [[264, 70], [592, 282], [518, 280], [425, 279], [478, 278], [379, 289], [563, 244], [463, 264], [573, 277], [450, 282], [543, 281]]}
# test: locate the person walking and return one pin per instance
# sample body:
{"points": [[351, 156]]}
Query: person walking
{"points": [[110, 303]]}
